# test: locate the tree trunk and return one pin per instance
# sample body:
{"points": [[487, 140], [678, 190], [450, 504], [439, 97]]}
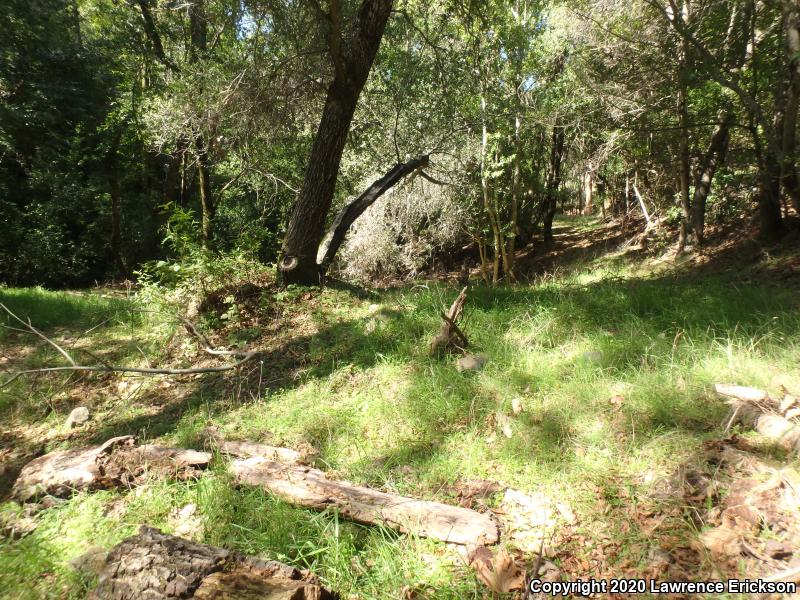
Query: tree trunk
{"points": [[683, 118], [769, 197], [789, 176], [355, 208], [713, 158], [198, 31], [352, 63], [588, 206], [553, 181], [112, 161], [206, 199]]}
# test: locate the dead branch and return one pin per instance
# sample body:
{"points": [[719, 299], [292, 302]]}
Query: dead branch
{"points": [[244, 356], [38, 333], [450, 335]]}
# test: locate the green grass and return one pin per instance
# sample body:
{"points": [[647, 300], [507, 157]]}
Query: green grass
{"points": [[381, 412]]}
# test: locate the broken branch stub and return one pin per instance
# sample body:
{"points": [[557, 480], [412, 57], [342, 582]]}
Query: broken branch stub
{"points": [[310, 488], [450, 334]]}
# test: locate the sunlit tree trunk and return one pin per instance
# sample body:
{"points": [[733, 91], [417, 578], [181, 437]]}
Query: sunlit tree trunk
{"points": [[198, 30], [352, 58], [683, 153]]}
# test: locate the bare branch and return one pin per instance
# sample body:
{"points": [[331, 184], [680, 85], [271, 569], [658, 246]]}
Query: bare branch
{"points": [[244, 356], [38, 333]]}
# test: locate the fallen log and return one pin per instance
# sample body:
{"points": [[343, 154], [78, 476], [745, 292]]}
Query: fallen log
{"points": [[119, 462], [745, 394], [156, 566], [240, 449], [310, 488], [754, 409]]}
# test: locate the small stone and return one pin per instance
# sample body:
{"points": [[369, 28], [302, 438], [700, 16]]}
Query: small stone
{"points": [[471, 362], [78, 417], [594, 356], [516, 406], [90, 562]]}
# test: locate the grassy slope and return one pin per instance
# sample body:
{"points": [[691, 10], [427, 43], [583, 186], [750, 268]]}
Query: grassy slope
{"points": [[366, 395]]}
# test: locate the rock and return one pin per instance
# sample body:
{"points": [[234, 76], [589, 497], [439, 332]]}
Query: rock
{"points": [[186, 523], [471, 362], [516, 406], [593, 356], [90, 562], [77, 417]]}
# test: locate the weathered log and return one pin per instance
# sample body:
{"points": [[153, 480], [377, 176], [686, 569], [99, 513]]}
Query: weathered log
{"points": [[286, 456], [450, 335], [156, 566], [769, 424], [240, 449], [355, 208], [117, 462], [739, 392], [310, 488]]}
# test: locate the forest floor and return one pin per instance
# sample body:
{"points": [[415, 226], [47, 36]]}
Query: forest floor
{"points": [[595, 408]]}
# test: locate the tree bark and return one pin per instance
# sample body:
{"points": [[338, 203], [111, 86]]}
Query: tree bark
{"points": [[119, 462], [309, 487], [112, 162], [355, 208], [553, 181], [156, 566], [152, 34], [713, 158], [789, 176], [198, 31], [352, 59], [206, 198], [683, 153]]}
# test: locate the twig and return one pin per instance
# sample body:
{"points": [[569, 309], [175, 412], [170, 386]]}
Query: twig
{"points": [[39, 333], [107, 368]]}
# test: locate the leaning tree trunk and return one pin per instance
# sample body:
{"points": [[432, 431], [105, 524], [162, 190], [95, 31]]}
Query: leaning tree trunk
{"points": [[356, 207], [352, 58], [713, 158]]}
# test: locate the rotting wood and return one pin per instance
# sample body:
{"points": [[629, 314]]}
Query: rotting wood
{"points": [[156, 566], [243, 449], [310, 488], [450, 335], [117, 462], [753, 408], [739, 392]]}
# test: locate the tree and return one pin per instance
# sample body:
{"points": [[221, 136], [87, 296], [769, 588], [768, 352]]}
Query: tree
{"points": [[352, 51]]}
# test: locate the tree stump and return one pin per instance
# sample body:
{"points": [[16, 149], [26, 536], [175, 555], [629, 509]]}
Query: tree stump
{"points": [[156, 566], [117, 462]]}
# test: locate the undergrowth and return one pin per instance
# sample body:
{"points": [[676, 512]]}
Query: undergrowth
{"points": [[348, 373]]}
